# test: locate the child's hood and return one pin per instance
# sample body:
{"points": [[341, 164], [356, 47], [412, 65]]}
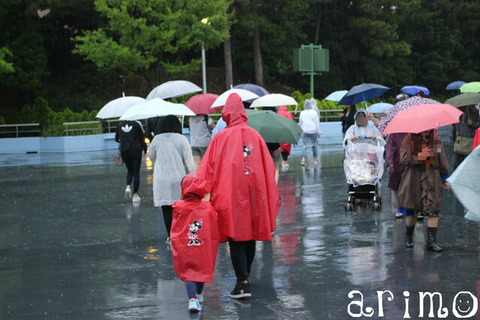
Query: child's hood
{"points": [[193, 188]]}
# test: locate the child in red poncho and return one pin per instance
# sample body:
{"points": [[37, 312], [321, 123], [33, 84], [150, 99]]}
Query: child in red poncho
{"points": [[194, 237]]}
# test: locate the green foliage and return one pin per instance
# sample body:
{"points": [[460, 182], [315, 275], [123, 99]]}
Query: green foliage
{"points": [[141, 34], [5, 66]]}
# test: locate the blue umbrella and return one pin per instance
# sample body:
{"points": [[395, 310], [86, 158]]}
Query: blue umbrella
{"points": [[455, 85], [414, 90], [337, 95], [363, 92], [380, 107], [259, 91]]}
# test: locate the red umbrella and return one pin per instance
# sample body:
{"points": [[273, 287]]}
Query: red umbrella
{"points": [[423, 117], [201, 103]]}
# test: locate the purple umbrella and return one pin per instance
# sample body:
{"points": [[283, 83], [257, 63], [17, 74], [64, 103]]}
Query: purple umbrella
{"points": [[400, 106], [455, 85]]}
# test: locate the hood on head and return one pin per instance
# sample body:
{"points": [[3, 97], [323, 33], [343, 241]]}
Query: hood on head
{"points": [[307, 105], [193, 188], [283, 108], [233, 112], [362, 110]]}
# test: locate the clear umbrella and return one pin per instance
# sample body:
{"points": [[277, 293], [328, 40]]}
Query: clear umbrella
{"points": [[337, 95], [274, 100], [173, 89], [156, 108]]}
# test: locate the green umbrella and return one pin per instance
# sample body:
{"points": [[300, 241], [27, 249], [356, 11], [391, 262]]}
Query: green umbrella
{"points": [[473, 87], [464, 99], [273, 127]]}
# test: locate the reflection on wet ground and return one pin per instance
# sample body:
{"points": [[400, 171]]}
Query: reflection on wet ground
{"points": [[72, 248]]}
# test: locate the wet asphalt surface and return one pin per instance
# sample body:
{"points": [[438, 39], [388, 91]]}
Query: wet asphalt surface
{"points": [[71, 247]]}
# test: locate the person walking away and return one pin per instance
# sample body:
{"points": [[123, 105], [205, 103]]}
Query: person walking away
{"points": [[285, 148], [395, 168], [131, 137], [170, 153], [463, 134], [310, 125], [347, 117], [194, 236], [201, 127], [420, 189], [153, 127], [240, 178]]}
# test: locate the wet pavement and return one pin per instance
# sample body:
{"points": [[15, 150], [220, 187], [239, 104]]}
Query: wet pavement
{"points": [[72, 248]]}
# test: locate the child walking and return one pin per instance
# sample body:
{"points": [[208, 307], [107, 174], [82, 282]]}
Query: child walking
{"points": [[194, 237]]}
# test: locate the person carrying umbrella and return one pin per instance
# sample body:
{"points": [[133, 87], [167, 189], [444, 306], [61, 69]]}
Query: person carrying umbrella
{"points": [[240, 178], [310, 124], [420, 188], [131, 137]]}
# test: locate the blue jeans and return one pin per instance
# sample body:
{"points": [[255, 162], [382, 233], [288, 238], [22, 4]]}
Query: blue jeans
{"points": [[309, 140], [193, 288]]}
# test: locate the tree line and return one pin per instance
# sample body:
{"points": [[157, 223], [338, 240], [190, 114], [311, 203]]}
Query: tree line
{"points": [[82, 53]]}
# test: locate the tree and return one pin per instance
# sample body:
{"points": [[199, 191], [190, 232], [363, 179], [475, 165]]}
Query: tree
{"points": [[140, 35], [5, 66]]}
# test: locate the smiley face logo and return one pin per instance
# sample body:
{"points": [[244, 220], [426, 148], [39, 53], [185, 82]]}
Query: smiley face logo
{"points": [[465, 305]]}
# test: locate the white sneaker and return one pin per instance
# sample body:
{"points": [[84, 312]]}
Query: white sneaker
{"points": [[194, 305], [200, 297], [128, 193], [136, 198]]}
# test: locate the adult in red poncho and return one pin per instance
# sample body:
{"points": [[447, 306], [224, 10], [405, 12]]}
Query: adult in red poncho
{"points": [[285, 148], [194, 237], [240, 176]]}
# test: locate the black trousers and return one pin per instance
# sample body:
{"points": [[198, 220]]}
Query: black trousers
{"points": [[133, 162], [168, 217], [284, 155], [242, 254]]}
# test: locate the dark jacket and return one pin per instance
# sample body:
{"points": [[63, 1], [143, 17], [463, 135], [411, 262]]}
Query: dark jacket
{"points": [[153, 127], [131, 137], [349, 120]]}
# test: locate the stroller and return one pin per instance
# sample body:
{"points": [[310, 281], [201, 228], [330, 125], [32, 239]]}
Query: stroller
{"points": [[363, 166]]}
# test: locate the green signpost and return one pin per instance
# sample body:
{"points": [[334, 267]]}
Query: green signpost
{"points": [[311, 60]]}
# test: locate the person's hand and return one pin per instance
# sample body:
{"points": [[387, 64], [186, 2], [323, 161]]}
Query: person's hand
{"points": [[446, 185], [353, 138], [470, 122], [340, 115], [319, 135], [373, 137], [427, 152], [207, 197]]}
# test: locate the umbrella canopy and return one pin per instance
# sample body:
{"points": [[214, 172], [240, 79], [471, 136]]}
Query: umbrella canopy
{"points": [[465, 183], [380, 107], [363, 92], [473, 87], [400, 106], [414, 90], [245, 95], [117, 107], [464, 99], [201, 103], [259, 91], [455, 85], [156, 108], [173, 89], [423, 117], [273, 127], [273, 100], [337, 95]]}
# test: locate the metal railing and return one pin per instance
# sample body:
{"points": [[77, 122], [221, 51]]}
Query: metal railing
{"points": [[96, 127], [325, 115], [19, 130]]}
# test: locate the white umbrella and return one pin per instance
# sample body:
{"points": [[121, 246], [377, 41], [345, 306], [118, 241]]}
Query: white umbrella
{"points": [[337, 95], [117, 107], [244, 95], [465, 183], [156, 108], [173, 89], [273, 100], [380, 107]]}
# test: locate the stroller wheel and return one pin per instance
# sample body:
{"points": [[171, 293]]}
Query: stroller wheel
{"points": [[348, 206], [376, 206]]}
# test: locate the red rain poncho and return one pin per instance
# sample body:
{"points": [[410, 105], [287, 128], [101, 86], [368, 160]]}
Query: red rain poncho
{"points": [[194, 233], [283, 111], [240, 176]]}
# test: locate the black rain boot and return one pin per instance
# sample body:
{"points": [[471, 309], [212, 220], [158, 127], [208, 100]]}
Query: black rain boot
{"points": [[432, 240], [409, 236]]}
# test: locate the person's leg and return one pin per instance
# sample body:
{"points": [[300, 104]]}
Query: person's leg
{"points": [[410, 221], [394, 197], [136, 164], [167, 218], [250, 247], [432, 226], [191, 287], [315, 153], [193, 303], [239, 259], [127, 159]]}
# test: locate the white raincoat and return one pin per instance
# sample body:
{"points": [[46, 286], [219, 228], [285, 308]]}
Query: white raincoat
{"points": [[364, 131], [171, 154]]}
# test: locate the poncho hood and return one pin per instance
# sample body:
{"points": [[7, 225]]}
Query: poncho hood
{"points": [[233, 112], [193, 188]]}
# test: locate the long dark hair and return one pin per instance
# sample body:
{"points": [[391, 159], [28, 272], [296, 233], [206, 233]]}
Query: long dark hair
{"points": [[170, 123]]}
